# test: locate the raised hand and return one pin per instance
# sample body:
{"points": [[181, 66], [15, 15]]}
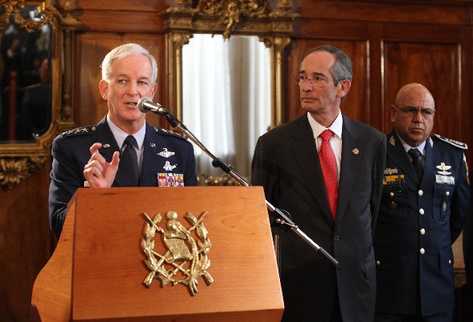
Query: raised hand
{"points": [[98, 172]]}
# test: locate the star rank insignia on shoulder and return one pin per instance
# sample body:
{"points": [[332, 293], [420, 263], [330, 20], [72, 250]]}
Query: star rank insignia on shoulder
{"points": [[79, 131], [455, 143], [169, 133]]}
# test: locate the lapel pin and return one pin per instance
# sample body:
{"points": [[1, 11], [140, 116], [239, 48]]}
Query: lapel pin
{"points": [[355, 151]]}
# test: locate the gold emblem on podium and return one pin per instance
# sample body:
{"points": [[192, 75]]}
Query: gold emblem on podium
{"points": [[186, 251]]}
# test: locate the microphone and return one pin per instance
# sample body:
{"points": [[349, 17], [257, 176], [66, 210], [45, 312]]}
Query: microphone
{"points": [[145, 104]]}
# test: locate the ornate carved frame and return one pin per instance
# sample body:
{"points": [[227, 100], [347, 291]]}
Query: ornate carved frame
{"points": [[19, 160], [248, 17], [273, 25]]}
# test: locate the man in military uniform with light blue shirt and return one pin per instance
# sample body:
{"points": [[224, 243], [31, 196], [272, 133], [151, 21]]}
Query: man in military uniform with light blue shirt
{"points": [[425, 199], [122, 149]]}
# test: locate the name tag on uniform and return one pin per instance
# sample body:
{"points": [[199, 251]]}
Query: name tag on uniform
{"points": [[166, 179], [444, 179]]}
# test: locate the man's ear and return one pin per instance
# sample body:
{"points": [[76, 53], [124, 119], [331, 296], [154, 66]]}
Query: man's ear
{"points": [[343, 87], [154, 90], [103, 88]]}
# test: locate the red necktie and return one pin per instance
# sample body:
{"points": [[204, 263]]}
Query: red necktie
{"points": [[328, 164]]}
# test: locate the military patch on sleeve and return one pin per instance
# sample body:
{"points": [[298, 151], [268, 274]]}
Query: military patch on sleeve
{"points": [[455, 143], [79, 131]]}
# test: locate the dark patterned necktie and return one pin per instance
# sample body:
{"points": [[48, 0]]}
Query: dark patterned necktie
{"points": [[128, 174], [418, 162]]}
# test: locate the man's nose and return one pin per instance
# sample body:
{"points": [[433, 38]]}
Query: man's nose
{"points": [[306, 87], [418, 117], [132, 88]]}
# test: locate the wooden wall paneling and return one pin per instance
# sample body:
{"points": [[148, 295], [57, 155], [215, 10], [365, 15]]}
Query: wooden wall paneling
{"points": [[92, 48], [121, 15], [437, 66], [25, 244], [444, 12], [357, 103]]}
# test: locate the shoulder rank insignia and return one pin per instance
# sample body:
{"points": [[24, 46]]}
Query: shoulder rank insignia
{"points": [[165, 153], [169, 132], [455, 143], [186, 251], [79, 131]]}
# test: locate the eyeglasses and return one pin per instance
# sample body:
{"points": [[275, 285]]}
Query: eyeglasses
{"points": [[413, 110], [316, 79]]}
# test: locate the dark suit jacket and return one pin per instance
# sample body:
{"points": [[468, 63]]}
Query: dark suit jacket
{"points": [[417, 224], [286, 163], [70, 152]]}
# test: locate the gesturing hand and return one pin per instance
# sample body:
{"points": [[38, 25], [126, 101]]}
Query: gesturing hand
{"points": [[98, 172]]}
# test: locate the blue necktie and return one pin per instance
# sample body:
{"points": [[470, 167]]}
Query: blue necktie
{"points": [[128, 174]]}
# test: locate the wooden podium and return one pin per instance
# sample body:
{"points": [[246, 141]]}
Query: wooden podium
{"points": [[97, 270]]}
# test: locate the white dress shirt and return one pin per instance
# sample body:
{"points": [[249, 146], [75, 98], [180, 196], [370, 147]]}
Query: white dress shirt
{"points": [[121, 135], [335, 141]]}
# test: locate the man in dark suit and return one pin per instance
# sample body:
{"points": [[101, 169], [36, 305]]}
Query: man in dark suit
{"points": [[326, 170], [122, 149], [425, 198]]}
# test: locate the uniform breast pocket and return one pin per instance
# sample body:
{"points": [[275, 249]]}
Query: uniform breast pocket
{"points": [[442, 202], [394, 198]]}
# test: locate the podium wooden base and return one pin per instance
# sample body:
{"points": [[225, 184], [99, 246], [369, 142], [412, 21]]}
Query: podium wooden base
{"points": [[97, 270]]}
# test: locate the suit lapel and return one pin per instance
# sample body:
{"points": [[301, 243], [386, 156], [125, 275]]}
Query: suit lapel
{"points": [[430, 161], [398, 156], [105, 136], [109, 145], [305, 153], [351, 155], [149, 165]]}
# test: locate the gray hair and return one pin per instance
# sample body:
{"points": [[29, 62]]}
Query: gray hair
{"points": [[342, 68], [124, 51]]}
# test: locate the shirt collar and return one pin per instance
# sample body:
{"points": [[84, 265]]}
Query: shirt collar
{"points": [[420, 147], [336, 126], [121, 135]]}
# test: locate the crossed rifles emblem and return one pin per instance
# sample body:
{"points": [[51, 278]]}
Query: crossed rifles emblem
{"points": [[185, 259]]}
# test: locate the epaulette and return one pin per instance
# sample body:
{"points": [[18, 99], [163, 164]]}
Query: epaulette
{"points": [[170, 133], [455, 143], [79, 131]]}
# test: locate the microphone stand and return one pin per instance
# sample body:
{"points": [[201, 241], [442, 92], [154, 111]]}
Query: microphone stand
{"points": [[217, 163]]}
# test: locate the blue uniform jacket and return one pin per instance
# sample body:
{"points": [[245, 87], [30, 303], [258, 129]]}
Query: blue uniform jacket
{"points": [[164, 153], [416, 226]]}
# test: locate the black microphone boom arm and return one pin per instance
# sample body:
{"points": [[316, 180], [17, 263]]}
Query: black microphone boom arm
{"points": [[146, 105]]}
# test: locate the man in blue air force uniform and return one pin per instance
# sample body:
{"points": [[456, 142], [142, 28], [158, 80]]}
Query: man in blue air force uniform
{"points": [[122, 149], [425, 199]]}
